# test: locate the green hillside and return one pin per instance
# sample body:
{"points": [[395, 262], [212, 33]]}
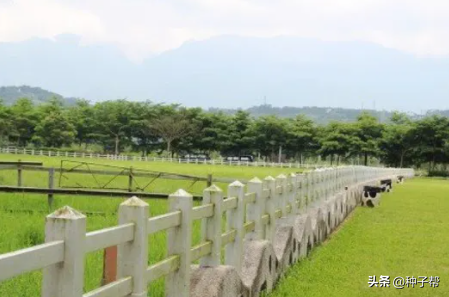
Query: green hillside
{"points": [[10, 94]]}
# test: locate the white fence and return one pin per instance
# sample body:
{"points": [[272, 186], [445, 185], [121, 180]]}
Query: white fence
{"points": [[251, 212], [32, 152]]}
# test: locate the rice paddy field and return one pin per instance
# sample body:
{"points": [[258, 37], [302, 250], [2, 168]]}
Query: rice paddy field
{"points": [[22, 216]]}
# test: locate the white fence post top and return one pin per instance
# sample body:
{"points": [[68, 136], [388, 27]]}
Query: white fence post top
{"points": [[255, 180], [66, 212], [281, 176], [181, 193], [213, 188], [134, 201], [270, 178], [237, 184]]}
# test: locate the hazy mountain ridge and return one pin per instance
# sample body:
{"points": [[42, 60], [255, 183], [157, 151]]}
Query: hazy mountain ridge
{"points": [[320, 115], [232, 72], [9, 95]]}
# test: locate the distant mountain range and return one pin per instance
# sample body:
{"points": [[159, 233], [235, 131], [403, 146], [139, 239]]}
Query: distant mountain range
{"points": [[234, 72], [10, 94], [321, 115]]}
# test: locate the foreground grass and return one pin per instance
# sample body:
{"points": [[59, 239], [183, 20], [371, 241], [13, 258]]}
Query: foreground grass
{"points": [[22, 216], [408, 235]]}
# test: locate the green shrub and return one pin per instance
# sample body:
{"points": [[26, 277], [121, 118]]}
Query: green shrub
{"points": [[438, 173]]}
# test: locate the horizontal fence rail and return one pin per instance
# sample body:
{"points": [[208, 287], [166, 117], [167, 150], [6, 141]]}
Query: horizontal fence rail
{"points": [[252, 213], [47, 153]]}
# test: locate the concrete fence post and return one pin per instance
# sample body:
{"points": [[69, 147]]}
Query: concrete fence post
{"points": [[211, 227], [65, 279], [282, 195], [179, 242], [235, 219], [256, 210], [320, 186], [293, 194], [132, 257], [310, 187], [271, 207], [300, 194]]}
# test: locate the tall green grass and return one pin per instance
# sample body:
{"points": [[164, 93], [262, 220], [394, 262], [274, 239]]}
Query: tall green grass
{"points": [[22, 216]]}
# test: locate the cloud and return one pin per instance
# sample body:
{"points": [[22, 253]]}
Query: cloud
{"points": [[22, 19], [142, 27]]}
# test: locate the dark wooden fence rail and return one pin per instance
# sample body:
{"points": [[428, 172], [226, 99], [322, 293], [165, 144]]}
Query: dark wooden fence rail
{"points": [[130, 172]]}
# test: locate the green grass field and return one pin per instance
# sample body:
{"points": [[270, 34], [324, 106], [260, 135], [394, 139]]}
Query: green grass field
{"points": [[408, 235], [22, 216]]}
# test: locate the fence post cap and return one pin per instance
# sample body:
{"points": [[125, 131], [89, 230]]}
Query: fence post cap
{"points": [[269, 178], [281, 176], [293, 174], [237, 184], [213, 188], [134, 201], [255, 180], [66, 212], [181, 193]]}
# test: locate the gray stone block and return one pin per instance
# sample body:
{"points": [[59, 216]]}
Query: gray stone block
{"points": [[259, 267], [220, 281]]}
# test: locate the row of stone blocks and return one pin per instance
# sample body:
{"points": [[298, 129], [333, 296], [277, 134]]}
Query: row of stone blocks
{"points": [[264, 262]]}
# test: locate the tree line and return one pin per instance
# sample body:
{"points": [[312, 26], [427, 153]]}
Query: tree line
{"points": [[174, 130]]}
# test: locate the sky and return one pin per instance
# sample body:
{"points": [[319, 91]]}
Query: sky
{"points": [[142, 28]]}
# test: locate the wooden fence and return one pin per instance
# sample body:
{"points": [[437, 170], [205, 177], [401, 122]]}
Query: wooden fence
{"points": [[251, 214], [130, 172]]}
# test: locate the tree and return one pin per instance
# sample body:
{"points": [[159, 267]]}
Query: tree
{"points": [[54, 128], [431, 135], [369, 132], [302, 136], [214, 134], [338, 139], [140, 125], [171, 127], [5, 121], [398, 141], [82, 117], [23, 120], [270, 134], [112, 119], [240, 139]]}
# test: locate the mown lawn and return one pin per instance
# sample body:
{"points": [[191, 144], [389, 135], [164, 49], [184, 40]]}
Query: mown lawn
{"points": [[22, 216], [408, 235]]}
